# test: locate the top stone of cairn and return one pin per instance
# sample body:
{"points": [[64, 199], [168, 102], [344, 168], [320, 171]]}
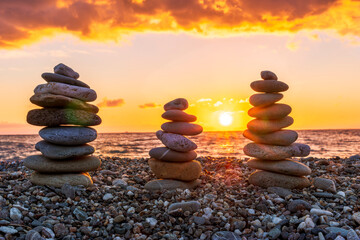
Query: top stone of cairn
{"points": [[179, 104], [268, 75], [66, 71]]}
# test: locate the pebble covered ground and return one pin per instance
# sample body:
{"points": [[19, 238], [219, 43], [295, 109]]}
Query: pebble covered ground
{"points": [[225, 206]]}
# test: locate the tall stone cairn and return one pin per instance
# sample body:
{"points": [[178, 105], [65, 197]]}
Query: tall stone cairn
{"points": [[65, 155], [273, 147], [174, 164]]}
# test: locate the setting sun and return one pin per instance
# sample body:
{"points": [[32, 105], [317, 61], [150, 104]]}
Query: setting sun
{"points": [[225, 118]]}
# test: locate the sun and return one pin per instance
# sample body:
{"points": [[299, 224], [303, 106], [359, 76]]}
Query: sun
{"points": [[225, 118]]}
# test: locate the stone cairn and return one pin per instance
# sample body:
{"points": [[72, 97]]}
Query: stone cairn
{"points": [[66, 157], [174, 164], [273, 147]]}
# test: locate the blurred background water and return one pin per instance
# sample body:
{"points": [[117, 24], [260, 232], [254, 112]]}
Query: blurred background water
{"points": [[324, 144]]}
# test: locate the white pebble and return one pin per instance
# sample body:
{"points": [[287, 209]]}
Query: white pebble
{"points": [[321, 212], [119, 182], [15, 214], [301, 226], [347, 209], [131, 210], [341, 193], [130, 193], [107, 196], [309, 223], [151, 221], [333, 224], [339, 237], [251, 211], [276, 220]]}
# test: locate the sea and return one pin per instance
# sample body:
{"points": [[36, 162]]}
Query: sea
{"points": [[324, 144]]}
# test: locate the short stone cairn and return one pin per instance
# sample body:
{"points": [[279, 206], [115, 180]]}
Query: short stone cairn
{"points": [[174, 164], [273, 146], [65, 155]]}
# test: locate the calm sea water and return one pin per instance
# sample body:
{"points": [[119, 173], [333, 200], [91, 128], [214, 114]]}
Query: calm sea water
{"points": [[324, 143]]}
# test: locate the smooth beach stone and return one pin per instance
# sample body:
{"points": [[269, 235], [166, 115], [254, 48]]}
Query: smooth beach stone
{"points": [[265, 99], [169, 184], [269, 86], [267, 179], [176, 142], [282, 137], [54, 151], [57, 116], [81, 93], [179, 104], [285, 166], [68, 135], [272, 152], [41, 164], [184, 171], [272, 112], [54, 77], [58, 180], [66, 71], [268, 75], [182, 128], [268, 126], [178, 116], [166, 154], [49, 100]]}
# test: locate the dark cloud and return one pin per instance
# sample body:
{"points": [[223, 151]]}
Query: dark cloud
{"points": [[25, 21]]}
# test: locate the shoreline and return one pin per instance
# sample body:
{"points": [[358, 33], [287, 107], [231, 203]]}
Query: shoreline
{"points": [[227, 203]]}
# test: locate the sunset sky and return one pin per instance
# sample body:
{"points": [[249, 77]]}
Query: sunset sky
{"points": [[138, 55]]}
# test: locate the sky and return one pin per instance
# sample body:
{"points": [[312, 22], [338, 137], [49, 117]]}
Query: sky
{"points": [[138, 55]]}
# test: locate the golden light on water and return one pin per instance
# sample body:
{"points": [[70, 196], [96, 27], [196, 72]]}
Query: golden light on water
{"points": [[225, 118]]}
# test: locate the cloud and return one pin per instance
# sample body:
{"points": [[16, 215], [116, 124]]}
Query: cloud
{"points": [[149, 105], [111, 103], [23, 21]]}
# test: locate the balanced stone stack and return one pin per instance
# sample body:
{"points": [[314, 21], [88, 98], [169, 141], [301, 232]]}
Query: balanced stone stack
{"points": [[174, 164], [65, 155], [273, 146]]}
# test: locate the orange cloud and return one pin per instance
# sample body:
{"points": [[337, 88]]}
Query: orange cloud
{"points": [[24, 21], [150, 105], [111, 103]]}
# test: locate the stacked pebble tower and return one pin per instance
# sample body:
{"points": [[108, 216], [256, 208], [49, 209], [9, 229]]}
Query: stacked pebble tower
{"points": [[66, 156], [174, 164], [273, 147]]}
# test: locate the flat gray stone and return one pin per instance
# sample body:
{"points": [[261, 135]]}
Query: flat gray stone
{"points": [[168, 184], [267, 126], [166, 154], [272, 152], [285, 166], [81, 93], [182, 128], [281, 138], [272, 112], [66, 71], [178, 116], [267, 179], [54, 77], [269, 86], [191, 206], [58, 180], [56, 116], [42, 164], [54, 151], [265, 99], [176, 142], [49, 100], [68, 135]]}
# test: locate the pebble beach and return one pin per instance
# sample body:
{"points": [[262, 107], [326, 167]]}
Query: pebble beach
{"points": [[224, 206]]}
